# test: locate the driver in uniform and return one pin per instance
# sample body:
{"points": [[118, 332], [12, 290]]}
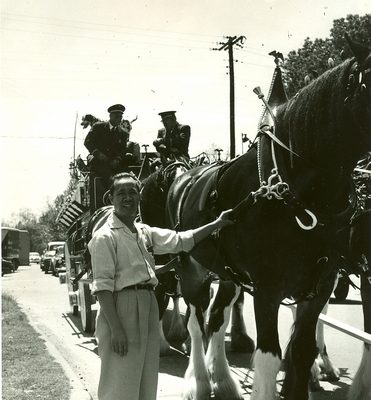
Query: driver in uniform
{"points": [[107, 143], [173, 140]]}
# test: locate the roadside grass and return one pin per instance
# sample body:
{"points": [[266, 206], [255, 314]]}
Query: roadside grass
{"points": [[28, 370]]}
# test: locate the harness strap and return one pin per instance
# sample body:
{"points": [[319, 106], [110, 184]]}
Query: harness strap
{"points": [[266, 131]]}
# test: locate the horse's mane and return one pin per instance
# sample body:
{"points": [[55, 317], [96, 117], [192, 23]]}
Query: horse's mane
{"points": [[314, 120], [152, 206]]}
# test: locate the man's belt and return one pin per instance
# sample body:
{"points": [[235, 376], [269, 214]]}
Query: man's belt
{"points": [[140, 287]]}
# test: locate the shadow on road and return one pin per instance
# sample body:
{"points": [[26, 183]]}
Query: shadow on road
{"points": [[74, 322], [337, 301]]}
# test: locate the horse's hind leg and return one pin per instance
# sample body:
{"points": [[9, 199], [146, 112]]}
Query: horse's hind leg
{"points": [[177, 330], [197, 384], [163, 301], [240, 340], [302, 348], [322, 368], [223, 384], [267, 358]]}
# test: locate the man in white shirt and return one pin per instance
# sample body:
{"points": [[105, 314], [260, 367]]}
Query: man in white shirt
{"points": [[124, 278]]}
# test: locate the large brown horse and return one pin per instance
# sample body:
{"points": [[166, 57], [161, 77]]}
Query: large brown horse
{"points": [[283, 242]]}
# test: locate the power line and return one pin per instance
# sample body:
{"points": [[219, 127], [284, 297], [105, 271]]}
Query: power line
{"points": [[38, 137], [94, 24], [123, 41]]}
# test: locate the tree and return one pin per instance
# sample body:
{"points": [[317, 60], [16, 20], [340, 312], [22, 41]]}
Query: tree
{"points": [[318, 55], [45, 228], [48, 218], [42, 230]]}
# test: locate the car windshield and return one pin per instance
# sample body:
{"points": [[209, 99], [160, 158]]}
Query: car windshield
{"points": [[60, 250], [54, 246]]}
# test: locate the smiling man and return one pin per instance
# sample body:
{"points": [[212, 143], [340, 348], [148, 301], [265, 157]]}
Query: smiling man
{"points": [[124, 280]]}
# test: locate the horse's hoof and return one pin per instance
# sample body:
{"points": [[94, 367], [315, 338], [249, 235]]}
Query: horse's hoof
{"points": [[242, 343]]}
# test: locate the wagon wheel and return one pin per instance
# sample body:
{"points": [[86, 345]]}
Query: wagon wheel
{"points": [[85, 306], [342, 288]]}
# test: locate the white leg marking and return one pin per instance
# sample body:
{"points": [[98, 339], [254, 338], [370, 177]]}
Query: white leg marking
{"points": [[266, 367], [224, 386], [196, 378], [361, 386]]}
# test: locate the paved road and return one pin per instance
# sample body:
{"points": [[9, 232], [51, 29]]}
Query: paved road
{"points": [[45, 301]]}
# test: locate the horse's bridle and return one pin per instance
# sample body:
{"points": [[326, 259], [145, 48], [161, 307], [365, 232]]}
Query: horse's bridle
{"points": [[276, 188], [356, 78]]}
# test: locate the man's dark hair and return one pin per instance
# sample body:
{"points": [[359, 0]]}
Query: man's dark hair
{"points": [[123, 175]]}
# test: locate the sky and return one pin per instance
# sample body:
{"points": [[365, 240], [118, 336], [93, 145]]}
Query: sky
{"points": [[63, 59]]}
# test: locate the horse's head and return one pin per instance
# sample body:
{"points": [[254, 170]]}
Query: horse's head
{"points": [[358, 91], [329, 121]]}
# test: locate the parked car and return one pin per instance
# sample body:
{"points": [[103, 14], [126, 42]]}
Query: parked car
{"points": [[35, 257], [58, 263], [49, 254], [6, 266]]}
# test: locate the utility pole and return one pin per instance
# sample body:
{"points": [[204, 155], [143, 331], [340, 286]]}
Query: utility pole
{"points": [[228, 45]]}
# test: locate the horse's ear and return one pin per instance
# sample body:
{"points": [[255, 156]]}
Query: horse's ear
{"points": [[359, 51]]}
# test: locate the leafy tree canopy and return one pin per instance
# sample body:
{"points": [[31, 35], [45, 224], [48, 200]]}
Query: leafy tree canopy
{"points": [[42, 229], [318, 55]]}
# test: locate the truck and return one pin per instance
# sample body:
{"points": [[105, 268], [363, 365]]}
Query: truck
{"points": [[15, 246]]}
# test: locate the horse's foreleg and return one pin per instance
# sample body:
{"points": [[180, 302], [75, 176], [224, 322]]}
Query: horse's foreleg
{"points": [[361, 386], [223, 384], [163, 301], [240, 340], [267, 358], [196, 378]]}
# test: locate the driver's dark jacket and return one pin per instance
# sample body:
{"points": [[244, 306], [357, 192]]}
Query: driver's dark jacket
{"points": [[112, 144], [176, 141]]}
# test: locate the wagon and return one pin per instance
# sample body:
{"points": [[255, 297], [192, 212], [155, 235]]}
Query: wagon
{"points": [[86, 197]]}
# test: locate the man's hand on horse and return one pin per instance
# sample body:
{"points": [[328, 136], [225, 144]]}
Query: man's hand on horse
{"points": [[224, 219]]}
